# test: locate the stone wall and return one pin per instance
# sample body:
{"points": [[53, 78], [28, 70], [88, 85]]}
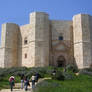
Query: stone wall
{"points": [[87, 42], [40, 25], [82, 41], [2, 55], [26, 51], [63, 47], [9, 44], [90, 26], [37, 43], [2, 47], [78, 46]]}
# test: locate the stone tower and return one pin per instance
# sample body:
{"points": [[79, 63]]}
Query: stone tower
{"points": [[45, 42], [9, 40], [40, 26], [82, 30]]}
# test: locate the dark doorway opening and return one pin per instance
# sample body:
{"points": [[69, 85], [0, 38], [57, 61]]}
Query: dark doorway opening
{"points": [[61, 62]]}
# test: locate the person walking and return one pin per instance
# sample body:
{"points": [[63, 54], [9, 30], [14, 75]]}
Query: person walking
{"points": [[22, 81], [33, 81], [26, 83], [36, 77], [12, 82]]}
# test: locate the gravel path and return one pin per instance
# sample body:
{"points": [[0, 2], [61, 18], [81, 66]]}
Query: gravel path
{"points": [[15, 90], [18, 86]]}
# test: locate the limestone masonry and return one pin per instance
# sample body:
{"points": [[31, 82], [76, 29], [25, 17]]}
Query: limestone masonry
{"points": [[45, 42]]}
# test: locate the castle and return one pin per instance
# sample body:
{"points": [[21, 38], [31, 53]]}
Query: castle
{"points": [[45, 42]]}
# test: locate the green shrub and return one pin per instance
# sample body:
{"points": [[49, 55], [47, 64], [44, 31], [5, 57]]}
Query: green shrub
{"points": [[72, 68], [87, 71], [12, 71], [45, 85], [67, 76], [58, 76]]}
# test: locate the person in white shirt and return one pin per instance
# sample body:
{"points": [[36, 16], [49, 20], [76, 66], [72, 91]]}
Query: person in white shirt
{"points": [[33, 81]]}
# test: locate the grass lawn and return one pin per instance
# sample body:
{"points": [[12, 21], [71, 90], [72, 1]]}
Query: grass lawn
{"points": [[82, 83]]}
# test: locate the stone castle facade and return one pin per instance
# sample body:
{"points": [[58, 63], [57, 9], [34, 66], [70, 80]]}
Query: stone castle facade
{"points": [[45, 42]]}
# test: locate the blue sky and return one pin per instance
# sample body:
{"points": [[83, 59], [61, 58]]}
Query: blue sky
{"points": [[17, 11]]}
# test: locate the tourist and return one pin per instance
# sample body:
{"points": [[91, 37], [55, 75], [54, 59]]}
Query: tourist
{"points": [[36, 77], [26, 83], [33, 81], [12, 82], [22, 80]]}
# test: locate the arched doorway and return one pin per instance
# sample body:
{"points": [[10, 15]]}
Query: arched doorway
{"points": [[61, 62]]}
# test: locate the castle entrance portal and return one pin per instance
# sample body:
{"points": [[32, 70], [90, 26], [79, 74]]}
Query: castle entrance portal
{"points": [[61, 62]]}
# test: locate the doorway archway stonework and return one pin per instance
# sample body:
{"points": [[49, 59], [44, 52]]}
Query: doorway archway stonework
{"points": [[61, 62], [62, 53]]}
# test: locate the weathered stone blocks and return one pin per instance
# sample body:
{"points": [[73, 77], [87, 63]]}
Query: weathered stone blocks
{"points": [[37, 44]]}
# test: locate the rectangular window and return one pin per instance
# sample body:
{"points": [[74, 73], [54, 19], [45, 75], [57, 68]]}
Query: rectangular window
{"points": [[60, 38], [25, 42], [25, 55]]}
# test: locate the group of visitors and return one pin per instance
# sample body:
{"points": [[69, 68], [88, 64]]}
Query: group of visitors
{"points": [[25, 81]]}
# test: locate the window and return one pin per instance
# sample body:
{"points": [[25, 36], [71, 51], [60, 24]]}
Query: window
{"points": [[25, 55], [60, 38], [25, 41]]}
